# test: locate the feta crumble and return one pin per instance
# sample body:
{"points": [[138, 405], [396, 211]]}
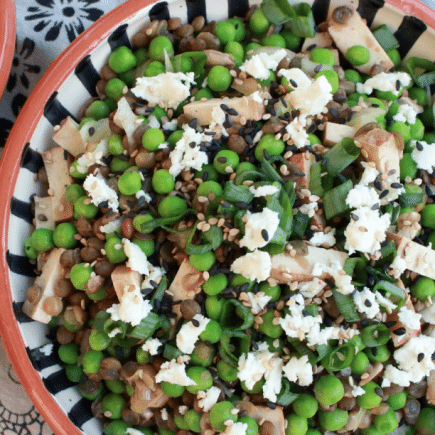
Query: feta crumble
{"points": [[258, 301], [259, 65], [406, 113], [155, 273], [238, 428], [357, 391], [152, 346], [189, 334], [263, 190], [93, 156], [366, 303], [425, 158], [255, 265], [362, 196], [175, 373], [112, 225], [211, 397], [310, 289], [384, 82], [183, 156], [299, 370], [369, 175], [394, 375], [126, 119], [137, 260], [382, 300], [114, 332], [319, 238], [170, 88], [257, 96], [266, 220], [342, 281], [409, 318], [296, 130], [367, 232], [100, 192], [297, 76], [399, 264]]}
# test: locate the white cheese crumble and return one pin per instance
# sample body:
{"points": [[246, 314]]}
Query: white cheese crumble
{"points": [[126, 119], [369, 175], [297, 76], [209, 399], [153, 122], [175, 373], [406, 113], [217, 120], [47, 349], [164, 414], [169, 88], [319, 238], [137, 260], [385, 302], [296, 130], [367, 232], [189, 334], [238, 428], [341, 279], [258, 301], [141, 193], [266, 220], [399, 264], [318, 336], [384, 82], [310, 289], [311, 100], [114, 332], [154, 274], [255, 265], [415, 357], [428, 314], [299, 370], [183, 156], [112, 225], [93, 156], [152, 346], [357, 391], [132, 307], [263, 190], [257, 96], [409, 318], [99, 191], [425, 158], [394, 375], [258, 66], [362, 196], [170, 125], [366, 303]]}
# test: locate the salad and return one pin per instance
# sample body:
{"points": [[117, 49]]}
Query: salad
{"points": [[237, 237]]}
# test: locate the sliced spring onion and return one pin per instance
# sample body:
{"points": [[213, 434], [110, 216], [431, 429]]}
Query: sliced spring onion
{"points": [[150, 226], [192, 249], [234, 193], [198, 59], [366, 116], [323, 350], [388, 254], [411, 199], [100, 319], [375, 335], [341, 155], [300, 224], [385, 37], [146, 327], [110, 325], [346, 306], [160, 290], [235, 316], [248, 175], [355, 267], [418, 68], [277, 243], [339, 358], [334, 201], [315, 185], [302, 349], [270, 171], [391, 291], [214, 236], [232, 345], [312, 310], [286, 396], [358, 343], [171, 351]]}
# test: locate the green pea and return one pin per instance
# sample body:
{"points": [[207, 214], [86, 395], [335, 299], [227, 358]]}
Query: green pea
{"points": [[83, 209], [91, 361], [267, 327], [426, 422], [180, 423], [225, 159], [101, 294], [202, 378], [141, 55], [75, 172], [274, 40], [63, 235], [333, 420], [130, 183], [69, 353], [386, 423], [332, 78], [418, 94], [204, 261], [115, 386], [98, 110], [99, 340], [394, 55], [147, 246], [402, 128], [140, 220], [215, 284], [202, 354], [258, 23], [152, 139], [252, 428], [268, 143], [203, 93], [207, 173], [220, 413], [352, 76], [122, 59], [296, 425], [322, 56], [192, 419], [236, 49], [91, 390], [162, 181], [408, 167], [115, 145], [378, 354], [175, 137], [219, 78], [328, 390], [257, 387], [313, 139], [154, 68], [80, 274], [42, 239], [313, 431], [251, 46], [417, 130], [240, 28], [73, 192], [214, 306], [358, 55], [397, 401], [172, 390], [305, 405], [225, 31], [74, 372], [29, 250], [369, 399], [427, 116], [360, 363], [292, 41], [118, 165], [227, 372], [112, 405], [116, 427], [114, 250], [245, 166], [428, 216], [115, 88], [388, 95], [158, 46], [212, 332], [171, 206], [423, 288], [204, 189]]}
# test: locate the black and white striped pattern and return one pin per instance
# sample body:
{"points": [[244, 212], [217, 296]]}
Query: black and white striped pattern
{"points": [[413, 35]]}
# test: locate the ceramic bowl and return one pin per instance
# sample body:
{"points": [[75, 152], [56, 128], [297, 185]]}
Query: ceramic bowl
{"points": [[63, 90], [7, 40]]}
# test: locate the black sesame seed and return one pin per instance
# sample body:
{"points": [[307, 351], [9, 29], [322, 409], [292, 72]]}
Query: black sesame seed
{"points": [[224, 107], [293, 83], [284, 103], [266, 155], [232, 112], [364, 323], [272, 111], [400, 331], [378, 391], [354, 216], [192, 145], [419, 146], [228, 225], [397, 85], [420, 357], [341, 121], [367, 303], [376, 206], [242, 205], [103, 204], [149, 109], [390, 324], [396, 185], [265, 234], [271, 405], [311, 47], [374, 351], [311, 128], [333, 111], [91, 131], [124, 157], [329, 282], [384, 194], [195, 323], [254, 345], [222, 160]]}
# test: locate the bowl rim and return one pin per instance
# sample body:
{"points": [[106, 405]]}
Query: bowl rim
{"points": [[10, 165], [7, 41]]}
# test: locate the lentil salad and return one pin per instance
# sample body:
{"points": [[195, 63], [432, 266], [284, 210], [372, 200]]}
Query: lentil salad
{"points": [[243, 242]]}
